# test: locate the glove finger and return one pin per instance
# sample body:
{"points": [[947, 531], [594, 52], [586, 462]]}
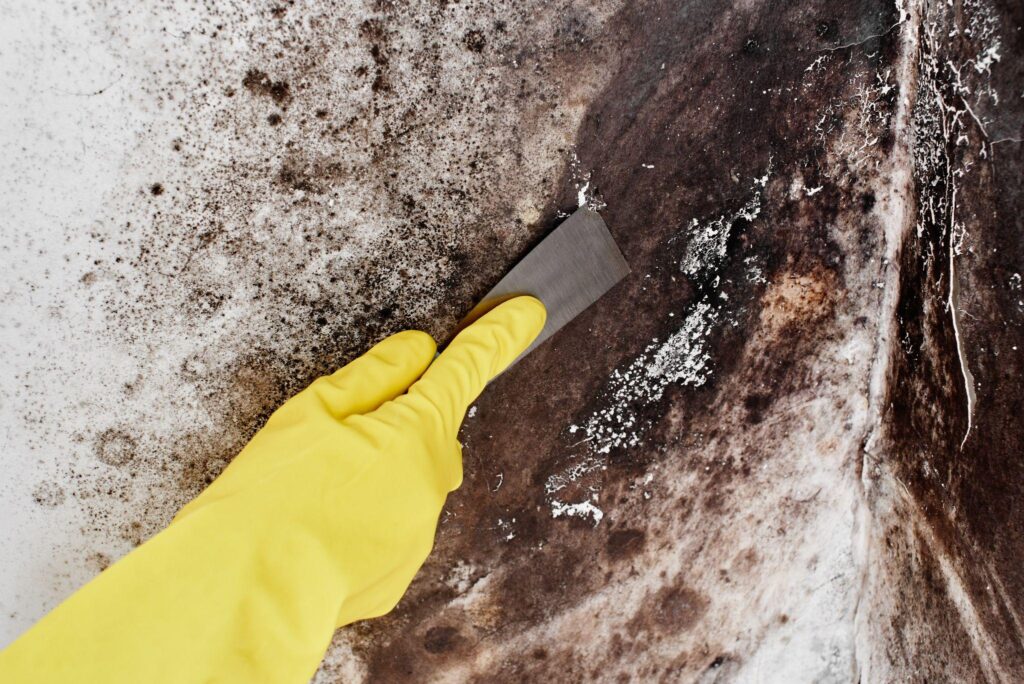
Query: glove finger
{"points": [[377, 376], [476, 355], [374, 378]]}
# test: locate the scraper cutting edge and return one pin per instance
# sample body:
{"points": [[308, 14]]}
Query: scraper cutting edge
{"points": [[568, 271]]}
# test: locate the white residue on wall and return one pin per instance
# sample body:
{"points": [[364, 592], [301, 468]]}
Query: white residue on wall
{"points": [[581, 195], [585, 194], [682, 359], [986, 59], [708, 241], [584, 510]]}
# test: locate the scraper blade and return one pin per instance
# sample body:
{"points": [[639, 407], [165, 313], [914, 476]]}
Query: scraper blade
{"points": [[569, 270]]}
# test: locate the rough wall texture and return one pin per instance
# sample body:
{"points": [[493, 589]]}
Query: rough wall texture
{"points": [[784, 449]]}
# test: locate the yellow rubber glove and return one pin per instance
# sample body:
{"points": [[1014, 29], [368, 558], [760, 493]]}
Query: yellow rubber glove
{"points": [[323, 519]]}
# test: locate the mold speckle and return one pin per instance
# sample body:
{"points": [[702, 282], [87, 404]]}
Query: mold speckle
{"points": [[98, 561], [474, 40], [260, 84], [48, 494], [115, 447]]}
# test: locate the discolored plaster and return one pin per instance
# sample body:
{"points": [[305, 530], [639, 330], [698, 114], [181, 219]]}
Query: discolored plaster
{"points": [[785, 448]]}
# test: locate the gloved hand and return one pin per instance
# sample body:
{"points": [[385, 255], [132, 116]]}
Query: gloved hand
{"points": [[323, 519]]}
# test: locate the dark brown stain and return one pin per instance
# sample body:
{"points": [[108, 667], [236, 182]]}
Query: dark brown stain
{"points": [[440, 639], [625, 543], [374, 33], [675, 608], [259, 83], [756, 405]]}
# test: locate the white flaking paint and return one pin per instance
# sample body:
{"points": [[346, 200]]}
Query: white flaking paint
{"points": [[583, 509]]}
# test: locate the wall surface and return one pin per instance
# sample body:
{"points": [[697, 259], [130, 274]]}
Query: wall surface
{"points": [[786, 448]]}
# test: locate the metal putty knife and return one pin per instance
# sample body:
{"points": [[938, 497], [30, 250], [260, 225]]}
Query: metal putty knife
{"points": [[569, 270]]}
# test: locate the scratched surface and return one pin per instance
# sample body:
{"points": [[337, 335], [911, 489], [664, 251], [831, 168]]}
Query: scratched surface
{"points": [[785, 448]]}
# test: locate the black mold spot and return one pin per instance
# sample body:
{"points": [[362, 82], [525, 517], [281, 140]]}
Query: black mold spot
{"points": [[274, 119], [296, 178], [756, 405], [260, 84], [372, 30], [48, 494], [670, 610], [156, 189], [474, 40], [440, 639]]}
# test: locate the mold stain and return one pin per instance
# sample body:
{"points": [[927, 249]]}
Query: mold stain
{"points": [[356, 173], [261, 85], [115, 447]]}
